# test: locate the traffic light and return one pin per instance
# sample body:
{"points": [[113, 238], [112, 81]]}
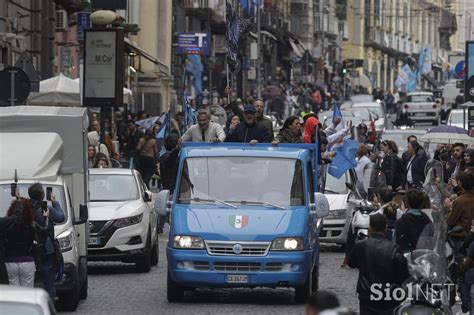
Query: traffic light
{"points": [[344, 68]]}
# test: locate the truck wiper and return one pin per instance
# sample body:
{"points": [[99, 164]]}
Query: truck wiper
{"points": [[331, 191], [209, 200], [244, 202]]}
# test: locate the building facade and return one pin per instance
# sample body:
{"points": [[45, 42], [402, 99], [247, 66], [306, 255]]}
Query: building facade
{"points": [[384, 33]]}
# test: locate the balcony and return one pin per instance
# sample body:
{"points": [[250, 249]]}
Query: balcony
{"points": [[203, 9]]}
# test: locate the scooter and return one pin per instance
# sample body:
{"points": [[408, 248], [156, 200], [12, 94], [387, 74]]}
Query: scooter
{"points": [[361, 221]]}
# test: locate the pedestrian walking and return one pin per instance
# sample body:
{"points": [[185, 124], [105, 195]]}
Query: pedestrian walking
{"points": [[380, 263], [250, 131], [131, 139], [94, 140], [409, 227], [19, 251], [148, 154], [362, 157], [392, 165], [6, 224], [46, 218], [204, 130], [415, 166]]}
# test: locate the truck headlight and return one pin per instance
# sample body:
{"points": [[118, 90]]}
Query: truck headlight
{"points": [[287, 243], [120, 223], [188, 242], [337, 214], [65, 241]]}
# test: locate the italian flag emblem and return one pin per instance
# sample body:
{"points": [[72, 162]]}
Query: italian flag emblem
{"points": [[238, 221]]}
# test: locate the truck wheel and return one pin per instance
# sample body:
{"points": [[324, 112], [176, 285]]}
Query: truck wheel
{"points": [[155, 252], [174, 292], [315, 280], [68, 301], [143, 262], [303, 292], [84, 289], [434, 123]]}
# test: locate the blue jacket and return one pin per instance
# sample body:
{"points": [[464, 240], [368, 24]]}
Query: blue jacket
{"points": [[417, 169], [246, 133], [56, 215]]}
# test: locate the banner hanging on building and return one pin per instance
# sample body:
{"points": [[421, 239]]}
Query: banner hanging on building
{"points": [[193, 44]]}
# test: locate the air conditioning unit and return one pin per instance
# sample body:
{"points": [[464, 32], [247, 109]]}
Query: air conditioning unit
{"points": [[61, 20]]}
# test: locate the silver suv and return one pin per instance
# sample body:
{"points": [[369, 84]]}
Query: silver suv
{"points": [[421, 106]]}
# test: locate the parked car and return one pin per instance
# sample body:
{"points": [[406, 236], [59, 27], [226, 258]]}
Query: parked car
{"points": [[456, 119], [421, 106], [123, 221], [362, 98], [23, 300], [341, 206]]}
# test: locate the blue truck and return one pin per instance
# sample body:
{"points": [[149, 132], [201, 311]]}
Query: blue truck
{"points": [[244, 216]]}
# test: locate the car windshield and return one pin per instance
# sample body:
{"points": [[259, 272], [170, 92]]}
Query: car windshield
{"points": [[107, 187], [362, 98], [276, 181], [336, 186], [19, 308], [6, 198], [420, 99], [401, 140]]}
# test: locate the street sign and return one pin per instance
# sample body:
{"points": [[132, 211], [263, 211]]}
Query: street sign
{"points": [[103, 77], [83, 23], [25, 63], [460, 70], [193, 44], [15, 86], [469, 81]]}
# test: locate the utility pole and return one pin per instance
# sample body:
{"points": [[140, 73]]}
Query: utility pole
{"points": [[259, 48]]}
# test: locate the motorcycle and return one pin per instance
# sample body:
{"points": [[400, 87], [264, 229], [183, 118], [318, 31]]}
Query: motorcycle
{"points": [[432, 265], [371, 184]]}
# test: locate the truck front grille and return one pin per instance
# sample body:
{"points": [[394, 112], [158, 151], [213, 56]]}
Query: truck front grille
{"points": [[236, 267], [224, 248]]}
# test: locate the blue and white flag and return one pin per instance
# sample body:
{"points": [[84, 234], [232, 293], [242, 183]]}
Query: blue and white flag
{"points": [[251, 6], [190, 116], [336, 113], [424, 61], [147, 123], [403, 76], [344, 159], [195, 68], [236, 26]]}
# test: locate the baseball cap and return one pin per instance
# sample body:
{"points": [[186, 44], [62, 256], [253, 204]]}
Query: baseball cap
{"points": [[249, 109]]}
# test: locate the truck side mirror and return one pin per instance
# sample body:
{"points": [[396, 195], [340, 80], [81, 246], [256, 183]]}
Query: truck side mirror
{"points": [[83, 215], [161, 202], [321, 205], [147, 196], [350, 186]]}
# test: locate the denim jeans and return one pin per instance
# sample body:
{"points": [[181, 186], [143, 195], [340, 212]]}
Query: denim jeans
{"points": [[465, 288], [49, 269]]}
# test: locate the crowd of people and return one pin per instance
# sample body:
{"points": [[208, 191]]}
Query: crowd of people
{"points": [[27, 241]]}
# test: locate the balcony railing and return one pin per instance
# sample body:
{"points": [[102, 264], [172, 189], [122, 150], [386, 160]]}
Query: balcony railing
{"points": [[196, 4]]}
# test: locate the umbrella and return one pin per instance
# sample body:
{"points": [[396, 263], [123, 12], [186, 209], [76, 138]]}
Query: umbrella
{"points": [[447, 134]]}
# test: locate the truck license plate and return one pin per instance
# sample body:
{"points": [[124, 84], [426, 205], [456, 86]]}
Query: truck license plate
{"points": [[94, 241], [237, 279]]}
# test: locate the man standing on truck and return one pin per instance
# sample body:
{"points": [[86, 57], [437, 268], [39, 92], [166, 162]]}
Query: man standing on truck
{"points": [[204, 130], [46, 218], [250, 131]]}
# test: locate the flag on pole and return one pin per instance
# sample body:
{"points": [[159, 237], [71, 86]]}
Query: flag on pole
{"points": [[236, 26], [424, 61], [344, 159], [195, 68], [190, 117], [336, 113], [404, 76]]}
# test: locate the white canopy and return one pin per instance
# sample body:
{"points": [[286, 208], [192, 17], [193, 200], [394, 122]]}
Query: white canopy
{"points": [[63, 91]]}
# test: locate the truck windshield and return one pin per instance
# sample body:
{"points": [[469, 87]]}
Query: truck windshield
{"points": [[336, 186], [111, 188], [6, 198], [245, 180]]}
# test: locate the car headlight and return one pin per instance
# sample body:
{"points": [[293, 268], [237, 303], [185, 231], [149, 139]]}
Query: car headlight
{"points": [[120, 223], [188, 242], [65, 241], [287, 243], [337, 214]]}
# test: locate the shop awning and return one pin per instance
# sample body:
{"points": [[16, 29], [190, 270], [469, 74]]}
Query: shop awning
{"points": [[269, 35], [140, 51]]}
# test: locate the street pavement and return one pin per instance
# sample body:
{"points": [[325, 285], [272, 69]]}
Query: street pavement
{"points": [[115, 288]]}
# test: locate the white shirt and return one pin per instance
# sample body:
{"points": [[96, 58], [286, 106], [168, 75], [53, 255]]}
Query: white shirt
{"points": [[409, 175], [380, 211], [194, 133]]}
